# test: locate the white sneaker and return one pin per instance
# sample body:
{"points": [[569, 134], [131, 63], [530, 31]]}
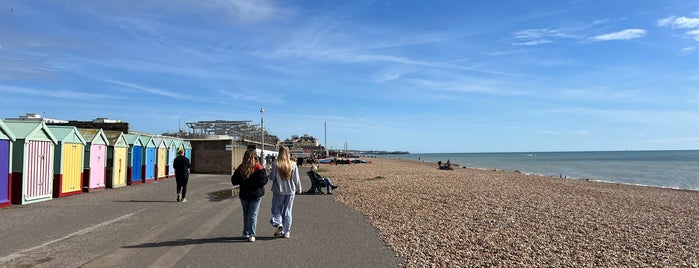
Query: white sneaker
{"points": [[278, 233], [246, 237], [184, 200], [287, 234], [251, 239], [179, 197]]}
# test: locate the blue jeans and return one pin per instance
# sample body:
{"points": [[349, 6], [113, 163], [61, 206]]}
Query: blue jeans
{"points": [[250, 209], [282, 205], [328, 184]]}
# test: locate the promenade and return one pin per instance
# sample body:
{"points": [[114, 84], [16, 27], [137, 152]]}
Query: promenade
{"points": [[143, 226]]}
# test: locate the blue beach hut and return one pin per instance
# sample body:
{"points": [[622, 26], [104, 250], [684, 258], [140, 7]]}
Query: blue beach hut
{"points": [[6, 140], [171, 154], [187, 149], [135, 159], [148, 167]]}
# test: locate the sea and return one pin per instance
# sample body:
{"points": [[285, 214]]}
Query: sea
{"points": [[667, 169]]}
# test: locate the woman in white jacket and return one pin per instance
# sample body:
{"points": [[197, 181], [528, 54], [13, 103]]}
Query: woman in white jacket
{"points": [[285, 185]]}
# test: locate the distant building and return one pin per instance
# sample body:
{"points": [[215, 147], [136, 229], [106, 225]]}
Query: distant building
{"points": [[36, 117]]}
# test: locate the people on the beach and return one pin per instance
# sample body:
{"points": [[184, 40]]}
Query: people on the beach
{"points": [[285, 185], [251, 177], [439, 164], [329, 186], [181, 165]]}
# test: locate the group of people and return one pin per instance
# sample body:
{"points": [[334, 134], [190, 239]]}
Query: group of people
{"points": [[446, 166], [251, 177]]}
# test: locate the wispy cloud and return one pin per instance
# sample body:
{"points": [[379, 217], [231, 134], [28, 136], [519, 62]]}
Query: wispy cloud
{"points": [[152, 90], [63, 94], [627, 34], [688, 49], [532, 42], [682, 23], [679, 22], [533, 37]]}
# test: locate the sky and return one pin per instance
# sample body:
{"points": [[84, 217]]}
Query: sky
{"points": [[420, 76]]}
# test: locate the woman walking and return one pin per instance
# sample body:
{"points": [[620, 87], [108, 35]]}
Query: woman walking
{"points": [[285, 185], [251, 177]]}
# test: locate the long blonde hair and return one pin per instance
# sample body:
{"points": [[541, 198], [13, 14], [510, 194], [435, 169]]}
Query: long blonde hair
{"points": [[284, 163], [250, 161]]}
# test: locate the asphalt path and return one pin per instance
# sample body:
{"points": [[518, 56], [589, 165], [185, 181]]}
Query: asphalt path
{"points": [[143, 226]]}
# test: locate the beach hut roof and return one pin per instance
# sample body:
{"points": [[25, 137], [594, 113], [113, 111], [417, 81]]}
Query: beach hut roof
{"points": [[28, 129], [67, 133], [116, 138], [159, 142], [94, 136], [133, 139], [147, 141], [5, 132]]}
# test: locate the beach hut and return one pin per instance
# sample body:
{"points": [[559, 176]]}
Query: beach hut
{"points": [[32, 162], [148, 167], [187, 149], [68, 161], [94, 177], [171, 154], [117, 159], [135, 159], [161, 158], [6, 140]]}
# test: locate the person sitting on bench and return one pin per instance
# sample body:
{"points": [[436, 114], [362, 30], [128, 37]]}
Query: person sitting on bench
{"points": [[318, 181]]}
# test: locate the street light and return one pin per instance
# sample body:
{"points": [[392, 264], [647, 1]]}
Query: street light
{"points": [[262, 124]]}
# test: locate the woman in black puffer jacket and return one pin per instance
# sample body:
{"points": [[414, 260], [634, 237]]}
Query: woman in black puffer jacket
{"points": [[251, 177]]}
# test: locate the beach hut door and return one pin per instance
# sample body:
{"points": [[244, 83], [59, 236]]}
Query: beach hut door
{"points": [[39, 172]]}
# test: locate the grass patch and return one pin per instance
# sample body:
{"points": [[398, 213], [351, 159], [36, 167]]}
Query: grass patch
{"points": [[375, 178]]}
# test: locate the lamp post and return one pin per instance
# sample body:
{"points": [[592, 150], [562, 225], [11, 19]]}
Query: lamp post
{"points": [[262, 125]]}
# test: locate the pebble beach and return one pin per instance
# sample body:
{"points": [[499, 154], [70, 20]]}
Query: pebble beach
{"points": [[493, 218]]}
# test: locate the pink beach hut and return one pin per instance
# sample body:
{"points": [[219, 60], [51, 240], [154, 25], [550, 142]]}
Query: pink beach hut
{"points": [[32, 162], [6, 140], [94, 177]]}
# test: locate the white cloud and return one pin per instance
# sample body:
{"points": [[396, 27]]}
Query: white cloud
{"points": [[688, 49], [621, 35], [533, 37], [681, 22], [156, 91], [532, 42]]}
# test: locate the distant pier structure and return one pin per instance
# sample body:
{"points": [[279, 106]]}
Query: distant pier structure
{"points": [[244, 132]]}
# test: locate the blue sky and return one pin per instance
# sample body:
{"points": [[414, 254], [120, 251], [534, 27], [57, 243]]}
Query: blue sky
{"points": [[422, 76]]}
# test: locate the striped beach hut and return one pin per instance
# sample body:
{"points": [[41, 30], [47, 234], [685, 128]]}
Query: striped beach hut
{"points": [[171, 154], [94, 176], [68, 163], [117, 159], [161, 158], [135, 159], [32, 162], [6, 140], [148, 167]]}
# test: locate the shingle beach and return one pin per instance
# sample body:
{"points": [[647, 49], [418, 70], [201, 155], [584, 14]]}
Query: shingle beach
{"points": [[472, 217]]}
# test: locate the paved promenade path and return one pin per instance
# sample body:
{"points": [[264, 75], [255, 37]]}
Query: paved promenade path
{"points": [[143, 226]]}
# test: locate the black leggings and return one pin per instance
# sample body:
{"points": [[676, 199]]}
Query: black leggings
{"points": [[182, 186]]}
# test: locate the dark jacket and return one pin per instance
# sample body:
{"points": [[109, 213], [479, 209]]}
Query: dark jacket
{"points": [[181, 165], [253, 187]]}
